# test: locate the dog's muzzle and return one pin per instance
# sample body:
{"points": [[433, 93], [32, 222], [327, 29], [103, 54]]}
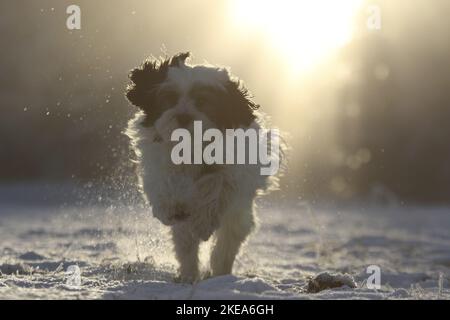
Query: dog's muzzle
{"points": [[184, 120]]}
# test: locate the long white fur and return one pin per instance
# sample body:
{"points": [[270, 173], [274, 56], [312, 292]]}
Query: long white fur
{"points": [[220, 202]]}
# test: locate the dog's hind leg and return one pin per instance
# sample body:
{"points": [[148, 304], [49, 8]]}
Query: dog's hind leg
{"points": [[186, 251], [233, 231]]}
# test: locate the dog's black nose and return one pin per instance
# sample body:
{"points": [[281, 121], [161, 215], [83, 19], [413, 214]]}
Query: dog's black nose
{"points": [[183, 119]]}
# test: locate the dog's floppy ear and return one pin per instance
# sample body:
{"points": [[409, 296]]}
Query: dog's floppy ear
{"points": [[239, 109], [145, 79]]}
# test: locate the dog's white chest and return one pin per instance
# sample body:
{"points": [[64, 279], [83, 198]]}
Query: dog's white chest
{"points": [[163, 180]]}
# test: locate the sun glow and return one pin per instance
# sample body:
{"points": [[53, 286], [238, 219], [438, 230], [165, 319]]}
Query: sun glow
{"points": [[304, 31]]}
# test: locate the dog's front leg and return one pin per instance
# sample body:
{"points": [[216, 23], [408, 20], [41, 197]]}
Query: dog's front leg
{"points": [[212, 193], [186, 250], [233, 231]]}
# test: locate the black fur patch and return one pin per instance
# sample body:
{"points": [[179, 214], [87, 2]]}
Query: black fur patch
{"points": [[240, 107], [229, 108], [141, 92]]}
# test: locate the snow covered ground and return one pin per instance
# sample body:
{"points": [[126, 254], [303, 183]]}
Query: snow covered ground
{"points": [[123, 253]]}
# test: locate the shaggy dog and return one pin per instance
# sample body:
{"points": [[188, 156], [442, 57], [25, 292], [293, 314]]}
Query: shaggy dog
{"points": [[196, 201]]}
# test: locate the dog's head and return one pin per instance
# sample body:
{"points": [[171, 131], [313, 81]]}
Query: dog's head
{"points": [[173, 94]]}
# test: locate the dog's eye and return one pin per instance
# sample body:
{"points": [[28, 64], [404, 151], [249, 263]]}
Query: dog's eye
{"points": [[204, 100], [201, 101]]}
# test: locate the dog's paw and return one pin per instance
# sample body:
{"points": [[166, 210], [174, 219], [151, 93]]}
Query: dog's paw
{"points": [[206, 275], [178, 213], [161, 214], [185, 279], [171, 214]]}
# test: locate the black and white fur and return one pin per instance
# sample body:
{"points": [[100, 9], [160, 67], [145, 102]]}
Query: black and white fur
{"points": [[196, 201]]}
